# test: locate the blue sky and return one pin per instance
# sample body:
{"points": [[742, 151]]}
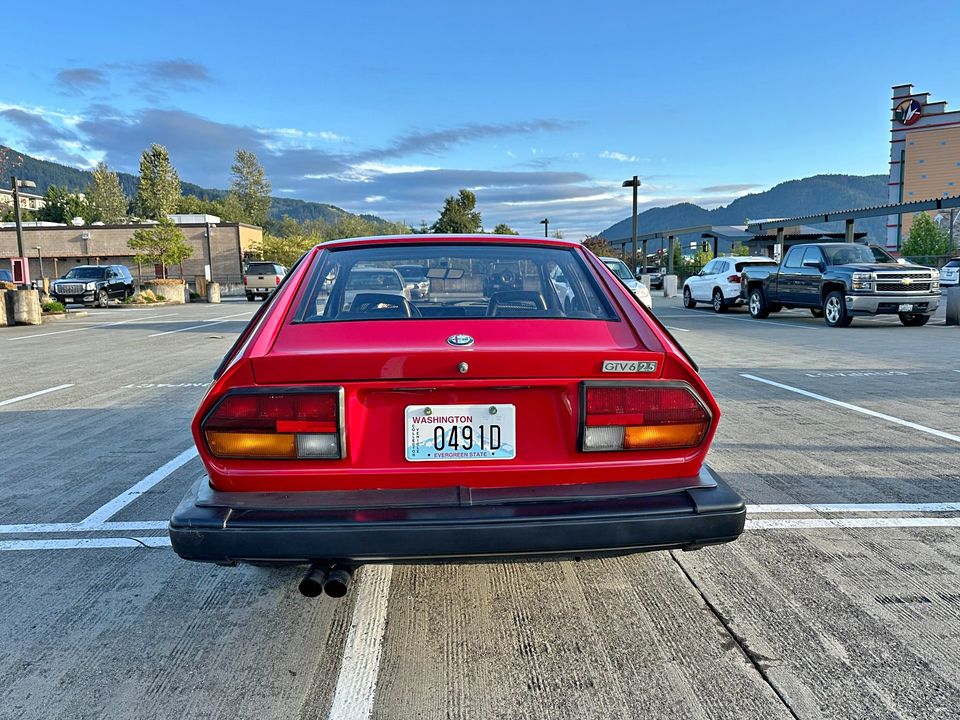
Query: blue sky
{"points": [[541, 108]]}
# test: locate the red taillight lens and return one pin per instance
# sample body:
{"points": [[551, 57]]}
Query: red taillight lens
{"points": [[244, 279], [277, 278], [275, 425], [643, 418], [734, 279]]}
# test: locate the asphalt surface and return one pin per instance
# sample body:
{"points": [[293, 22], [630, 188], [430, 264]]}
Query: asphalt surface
{"points": [[842, 599]]}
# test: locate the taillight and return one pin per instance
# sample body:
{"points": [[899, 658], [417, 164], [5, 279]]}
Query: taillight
{"points": [[647, 417], [244, 279], [734, 279], [277, 279], [275, 425]]}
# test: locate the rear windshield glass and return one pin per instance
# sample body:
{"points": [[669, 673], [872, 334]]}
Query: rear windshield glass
{"points": [[261, 269], [86, 273], [467, 280], [750, 263], [952, 263]]}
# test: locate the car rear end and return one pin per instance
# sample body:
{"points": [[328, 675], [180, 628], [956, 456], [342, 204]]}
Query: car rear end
{"points": [[469, 426], [261, 278], [950, 273], [731, 281]]}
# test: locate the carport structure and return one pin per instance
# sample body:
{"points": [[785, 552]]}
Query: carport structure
{"points": [[668, 237], [849, 217]]}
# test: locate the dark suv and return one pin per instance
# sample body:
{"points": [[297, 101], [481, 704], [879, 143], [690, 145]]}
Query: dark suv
{"points": [[93, 285]]}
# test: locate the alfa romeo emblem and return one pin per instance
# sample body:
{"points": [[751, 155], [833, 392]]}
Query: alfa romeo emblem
{"points": [[460, 340]]}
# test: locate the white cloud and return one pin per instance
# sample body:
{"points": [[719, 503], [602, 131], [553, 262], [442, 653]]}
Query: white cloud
{"points": [[374, 198], [618, 156]]}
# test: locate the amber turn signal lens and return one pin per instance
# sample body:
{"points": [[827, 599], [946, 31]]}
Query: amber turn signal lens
{"points": [[252, 445], [636, 437]]}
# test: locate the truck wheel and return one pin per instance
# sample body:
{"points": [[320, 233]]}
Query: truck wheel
{"points": [[719, 304], [914, 319], [250, 297], [688, 301], [758, 304], [835, 310], [102, 299], [816, 312]]}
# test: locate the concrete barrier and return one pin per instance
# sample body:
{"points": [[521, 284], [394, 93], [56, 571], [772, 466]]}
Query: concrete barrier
{"points": [[669, 285], [953, 306], [645, 279], [213, 292], [6, 307], [173, 293], [26, 307]]}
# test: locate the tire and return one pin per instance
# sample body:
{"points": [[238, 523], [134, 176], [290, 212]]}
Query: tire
{"points": [[757, 304], [250, 297], [688, 301], [103, 299], [719, 304], [914, 319], [816, 312], [835, 310]]}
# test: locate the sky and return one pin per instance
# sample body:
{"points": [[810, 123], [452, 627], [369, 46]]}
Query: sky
{"points": [[542, 109]]}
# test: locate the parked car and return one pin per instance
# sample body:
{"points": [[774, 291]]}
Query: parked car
{"points": [[261, 278], [719, 282], [656, 276], [619, 268], [415, 277], [93, 285], [838, 281], [495, 427], [950, 273], [383, 282]]}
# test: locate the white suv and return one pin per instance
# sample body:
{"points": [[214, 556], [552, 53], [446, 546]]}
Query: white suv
{"points": [[950, 273], [719, 282]]}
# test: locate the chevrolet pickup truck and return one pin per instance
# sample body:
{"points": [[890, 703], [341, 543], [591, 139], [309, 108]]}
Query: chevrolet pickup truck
{"points": [[838, 281]]}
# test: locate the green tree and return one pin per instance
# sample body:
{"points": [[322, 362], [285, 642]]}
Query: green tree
{"points": [[286, 249], [62, 206], [459, 215], [158, 191], [162, 244], [107, 202], [504, 229], [926, 238], [599, 246], [249, 188], [739, 249]]}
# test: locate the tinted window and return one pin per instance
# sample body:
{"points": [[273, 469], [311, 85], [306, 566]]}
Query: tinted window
{"points": [[412, 273], [261, 269], [953, 263], [708, 269], [812, 255], [881, 256], [86, 273], [466, 280], [848, 254], [793, 257], [753, 263]]}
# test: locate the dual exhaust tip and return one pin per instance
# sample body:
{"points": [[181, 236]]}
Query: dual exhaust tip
{"points": [[334, 580]]}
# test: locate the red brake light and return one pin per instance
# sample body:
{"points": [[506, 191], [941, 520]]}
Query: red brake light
{"points": [[244, 279], [734, 279], [631, 417], [277, 278], [275, 425]]}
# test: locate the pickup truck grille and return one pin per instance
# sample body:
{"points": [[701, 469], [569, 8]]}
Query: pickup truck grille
{"points": [[904, 287], [904, 276], [69, 288]]}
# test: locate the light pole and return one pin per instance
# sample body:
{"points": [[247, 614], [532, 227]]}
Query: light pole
{"points": [[546, 225], [634, 182], [16, 184], [209, 268]]}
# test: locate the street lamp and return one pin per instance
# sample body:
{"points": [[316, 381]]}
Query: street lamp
{"points": [[40, 258], [634, 182], [16, 184], [546, 225]]}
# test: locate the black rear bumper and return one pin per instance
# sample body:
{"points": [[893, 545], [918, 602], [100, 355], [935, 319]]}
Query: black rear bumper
{"points": [[456, 524]]}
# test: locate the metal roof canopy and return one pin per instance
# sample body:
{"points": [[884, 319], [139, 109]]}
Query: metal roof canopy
{"points": [[841, 215]]}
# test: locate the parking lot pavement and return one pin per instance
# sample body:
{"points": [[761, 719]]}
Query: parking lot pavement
{"points": [[840, 600]]}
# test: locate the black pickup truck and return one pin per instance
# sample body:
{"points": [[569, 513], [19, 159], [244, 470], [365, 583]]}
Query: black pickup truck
{"points": [[840, 280]]}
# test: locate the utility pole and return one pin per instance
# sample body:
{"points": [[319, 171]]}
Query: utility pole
{"points": [[546, 224], [16, 214], [634, 183]]}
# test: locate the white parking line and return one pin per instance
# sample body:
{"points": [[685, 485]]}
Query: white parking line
{"points": [[86, 543], [11, 401], [870, 522], [111, 508], [857, 408], [854, 507], [48, 528], [357, 681], [206, 323], [671, 327], [89, 327], [227, 317]]}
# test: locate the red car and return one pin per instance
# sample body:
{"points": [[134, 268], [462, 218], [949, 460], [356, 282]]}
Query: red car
{"points": [[354, 423]]}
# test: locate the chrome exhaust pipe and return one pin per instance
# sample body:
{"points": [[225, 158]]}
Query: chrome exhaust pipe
{"points": [[312, 584], [338, 581]]}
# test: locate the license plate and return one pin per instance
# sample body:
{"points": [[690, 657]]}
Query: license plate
{"points": [[905, 308], [66, 300], [460, 432]]}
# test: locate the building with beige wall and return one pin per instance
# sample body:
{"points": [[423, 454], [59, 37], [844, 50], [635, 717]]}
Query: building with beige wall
{"points": [[66, 246], [924, 158], [28, 201]]}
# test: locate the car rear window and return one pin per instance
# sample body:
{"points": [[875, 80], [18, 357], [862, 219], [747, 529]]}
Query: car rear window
{"points": [[750, 263], [261, 269], [953, 263], [465, 280]]}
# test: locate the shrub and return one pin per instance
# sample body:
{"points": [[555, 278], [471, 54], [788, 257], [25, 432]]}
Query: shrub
{"points": [[142, 298], [160, 298], [53, 307], [194, 296]]}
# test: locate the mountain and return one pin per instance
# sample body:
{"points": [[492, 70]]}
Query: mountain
{"points": [[45, 173], [816, 194]]}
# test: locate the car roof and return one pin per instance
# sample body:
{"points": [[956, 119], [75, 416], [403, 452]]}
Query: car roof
{"points": [[431, 239], [747, 258]]}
